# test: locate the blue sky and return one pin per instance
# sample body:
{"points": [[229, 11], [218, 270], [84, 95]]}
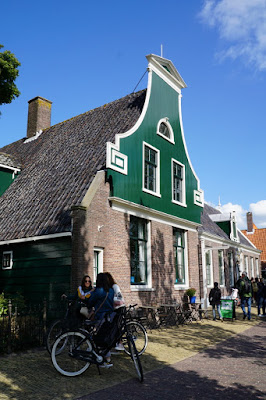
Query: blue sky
{"points": [[83, 54]]}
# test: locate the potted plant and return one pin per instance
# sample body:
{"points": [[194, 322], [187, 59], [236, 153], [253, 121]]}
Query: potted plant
{"points": [[191, 294]]}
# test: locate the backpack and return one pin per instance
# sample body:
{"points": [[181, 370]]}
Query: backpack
{"points": [[247, 287], [255, 287]]}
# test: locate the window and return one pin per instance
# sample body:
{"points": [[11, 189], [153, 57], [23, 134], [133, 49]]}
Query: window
{"points": [[97, 263], [7, 260], [257, 267], [208, 258], [221, 266], [179, 256], [138, 251], [231, 269], [246, 264], [165, 130], [151, 180], [252, 267], [178, 183]]}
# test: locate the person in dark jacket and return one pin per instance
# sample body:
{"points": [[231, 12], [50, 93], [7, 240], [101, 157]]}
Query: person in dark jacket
{"points": [[245, 293], [215, 300]]}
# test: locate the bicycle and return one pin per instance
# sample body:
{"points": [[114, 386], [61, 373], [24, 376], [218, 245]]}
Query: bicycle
{"points": [[137, 330], [71, 319], [74, 351], [59, 326]]}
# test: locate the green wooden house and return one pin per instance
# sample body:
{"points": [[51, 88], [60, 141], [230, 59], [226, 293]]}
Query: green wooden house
{"points": [[112, 189]]}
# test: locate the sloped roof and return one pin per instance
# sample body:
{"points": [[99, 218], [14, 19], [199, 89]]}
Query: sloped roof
{"points": [[9, 161], [211, 227], [258, 238], [59, 166]]}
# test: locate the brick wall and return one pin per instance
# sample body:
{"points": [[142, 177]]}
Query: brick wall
{"points": [[99, 225]]}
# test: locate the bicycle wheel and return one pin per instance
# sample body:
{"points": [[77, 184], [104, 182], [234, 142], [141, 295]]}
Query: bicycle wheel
{"points": [[139, 335], [66, 350], [135, 357], [53, 332]]}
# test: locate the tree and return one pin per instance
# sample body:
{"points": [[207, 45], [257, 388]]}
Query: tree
{"points": [[8, 74]]}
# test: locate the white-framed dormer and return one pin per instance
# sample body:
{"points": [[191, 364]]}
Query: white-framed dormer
{"points": [[178, 183], [151, 170], [7, 260], [165, 130]]}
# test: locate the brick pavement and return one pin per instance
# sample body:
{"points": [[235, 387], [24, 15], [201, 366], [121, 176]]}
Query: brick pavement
{"points": [[233, 369]]}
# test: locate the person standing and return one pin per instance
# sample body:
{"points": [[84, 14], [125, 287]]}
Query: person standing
{"points": [[215, 300], [245, 293]]}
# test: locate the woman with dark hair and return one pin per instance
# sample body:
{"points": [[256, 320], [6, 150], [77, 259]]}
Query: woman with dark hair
{"points": [[102, 297], [118, 298], [84, 290]]}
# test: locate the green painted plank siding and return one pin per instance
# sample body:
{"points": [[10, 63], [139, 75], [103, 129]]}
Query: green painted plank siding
{"points": [[163, 103], [41, 269]]}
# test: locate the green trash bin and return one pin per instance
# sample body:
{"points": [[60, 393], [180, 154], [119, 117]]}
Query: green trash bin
{"points": [[228, 308]]}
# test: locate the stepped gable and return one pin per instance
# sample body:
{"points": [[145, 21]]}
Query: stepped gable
{"points": [[59, 166]]}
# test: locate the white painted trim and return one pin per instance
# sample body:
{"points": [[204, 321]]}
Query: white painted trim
{"points": [[186, 151], [148, 286], [236, 245], [11, 260], [184, 286], [157, 193], [100, 259], [138, 210], [118, 136], [35, 238], [182, 203], [15, 170], [167, 123], [211, 267]]}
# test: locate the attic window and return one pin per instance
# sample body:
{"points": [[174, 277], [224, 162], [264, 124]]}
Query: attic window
{"points": [[165, 130]]}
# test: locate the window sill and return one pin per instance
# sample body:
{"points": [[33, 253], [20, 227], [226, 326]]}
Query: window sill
{"points": [[136, 288], [151, 192], [178, 203]]}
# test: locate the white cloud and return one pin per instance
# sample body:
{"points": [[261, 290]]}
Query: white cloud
{"points": [[259, 213], [240, 213], [242, 23]]}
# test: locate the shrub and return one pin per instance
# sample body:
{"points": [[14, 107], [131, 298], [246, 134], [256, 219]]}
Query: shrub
{"points": [[191, 292]]}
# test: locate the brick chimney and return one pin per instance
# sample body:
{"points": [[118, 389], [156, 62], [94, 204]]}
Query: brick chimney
{"points": [[39, 115], [249, 222]]}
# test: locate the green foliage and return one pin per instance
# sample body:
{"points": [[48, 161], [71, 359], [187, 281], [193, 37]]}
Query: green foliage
{"points": [[8, 74], [191, 292], [17, 300], [3, 304]]}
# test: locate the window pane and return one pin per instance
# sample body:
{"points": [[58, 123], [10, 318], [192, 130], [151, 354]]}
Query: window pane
{"points": [[178, 241], [138, 250], [150, 169], [177, 182], [163, 129]]}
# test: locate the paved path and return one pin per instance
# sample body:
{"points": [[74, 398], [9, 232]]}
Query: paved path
{"points": [[234, 369]]}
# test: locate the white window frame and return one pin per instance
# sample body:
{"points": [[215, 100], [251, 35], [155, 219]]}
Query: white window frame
{"points": [[97, 251], [166, 122], [10, 253], [148, 286], [221, 267], [231, 268], [157, 174], [246, 265], [183, 286], [257, 267], [252, 267], [183, 193], [210, 285]]}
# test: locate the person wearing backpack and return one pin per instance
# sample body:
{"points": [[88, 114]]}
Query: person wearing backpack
{"points": [[245, 293], [215, 300]]}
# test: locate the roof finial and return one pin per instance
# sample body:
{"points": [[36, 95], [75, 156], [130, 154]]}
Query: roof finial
{"points": [[161, 50], [219, 207]]}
